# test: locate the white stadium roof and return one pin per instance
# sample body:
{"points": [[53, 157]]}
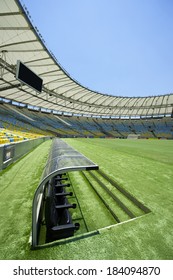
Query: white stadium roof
{"points": [[20, 40]]}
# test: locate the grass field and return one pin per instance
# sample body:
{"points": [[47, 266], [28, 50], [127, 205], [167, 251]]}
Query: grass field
{"points": [[142, 167]]}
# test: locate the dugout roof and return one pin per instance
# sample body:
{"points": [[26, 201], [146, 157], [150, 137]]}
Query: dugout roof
{"points": [[62, 158], [21, 40]]}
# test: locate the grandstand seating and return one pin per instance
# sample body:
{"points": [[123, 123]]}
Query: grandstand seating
{"points": [[16, 127], [18, 124]]}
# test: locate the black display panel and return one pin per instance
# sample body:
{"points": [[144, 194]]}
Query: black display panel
{"points": [[28, 77]]}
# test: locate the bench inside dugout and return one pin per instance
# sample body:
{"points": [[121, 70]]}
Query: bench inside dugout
{"points": [[58, 219], [51, 207]]}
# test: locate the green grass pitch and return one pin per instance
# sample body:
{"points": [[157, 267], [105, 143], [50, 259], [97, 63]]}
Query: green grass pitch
{"points": [[142, 167]]}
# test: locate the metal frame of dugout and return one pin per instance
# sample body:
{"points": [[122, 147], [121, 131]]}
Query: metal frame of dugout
{"points": [[62, 158]]}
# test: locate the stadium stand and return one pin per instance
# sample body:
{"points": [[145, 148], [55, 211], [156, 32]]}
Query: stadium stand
{"points": [[18, 124], [63, 108]]}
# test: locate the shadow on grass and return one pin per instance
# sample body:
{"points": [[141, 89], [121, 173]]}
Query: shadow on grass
{"points": [[65, 241]]}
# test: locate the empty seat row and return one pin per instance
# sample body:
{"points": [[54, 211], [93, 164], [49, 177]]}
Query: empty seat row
{"points": [[58, 219]]}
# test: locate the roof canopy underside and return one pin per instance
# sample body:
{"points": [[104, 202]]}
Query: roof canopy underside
{"points": [[20, 40]]}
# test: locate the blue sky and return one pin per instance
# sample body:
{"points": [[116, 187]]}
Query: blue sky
{"points": [[118, 47]]}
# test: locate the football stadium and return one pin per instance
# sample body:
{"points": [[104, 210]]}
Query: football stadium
{"points": [[83, 174]]}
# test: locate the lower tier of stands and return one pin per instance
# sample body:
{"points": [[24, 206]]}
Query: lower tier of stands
{"points": [[18, 124], [10, 136]]}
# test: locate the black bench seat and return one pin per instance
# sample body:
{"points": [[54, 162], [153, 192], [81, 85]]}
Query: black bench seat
{"points": [[62, 185], [63, 193], [58, 219]]}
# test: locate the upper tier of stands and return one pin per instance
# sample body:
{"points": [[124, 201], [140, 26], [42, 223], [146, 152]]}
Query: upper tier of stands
{"points": [[17, 123]]}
